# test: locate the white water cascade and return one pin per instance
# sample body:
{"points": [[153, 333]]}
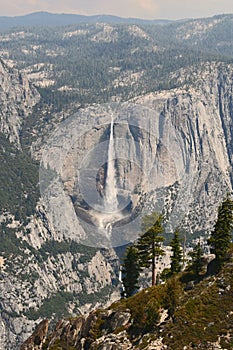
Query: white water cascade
{"points": [[110, 195]]}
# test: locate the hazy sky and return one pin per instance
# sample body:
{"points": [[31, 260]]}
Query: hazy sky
{"points": [[172, 9]]}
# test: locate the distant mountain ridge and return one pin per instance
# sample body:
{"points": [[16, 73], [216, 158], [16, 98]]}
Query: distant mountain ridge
{"points": [[53, 19]]}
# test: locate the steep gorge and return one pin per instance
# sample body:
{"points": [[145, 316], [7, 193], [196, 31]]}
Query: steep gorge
{"points": [[174, 146], [173, 150]]}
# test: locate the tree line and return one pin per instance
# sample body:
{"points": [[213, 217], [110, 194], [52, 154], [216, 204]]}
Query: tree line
{"points": [[146, 251]]}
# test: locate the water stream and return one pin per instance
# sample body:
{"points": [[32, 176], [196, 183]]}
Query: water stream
{"points": [[110, 195]]}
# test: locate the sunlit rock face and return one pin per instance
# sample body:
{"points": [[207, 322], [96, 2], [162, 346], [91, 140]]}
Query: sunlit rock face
{"points": [[17, 98], [172, 152]]}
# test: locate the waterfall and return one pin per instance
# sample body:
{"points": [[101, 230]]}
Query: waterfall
{"points": [[121, 281], [110, 196]]}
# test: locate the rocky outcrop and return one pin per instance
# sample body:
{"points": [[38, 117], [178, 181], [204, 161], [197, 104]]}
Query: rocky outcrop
{"points": [[17, 98], [44, 282], [84, 333], [142, 321], [35, 342]]}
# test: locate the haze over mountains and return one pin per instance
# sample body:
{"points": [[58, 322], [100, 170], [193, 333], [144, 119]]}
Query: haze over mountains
{"points": [[53, 20]]}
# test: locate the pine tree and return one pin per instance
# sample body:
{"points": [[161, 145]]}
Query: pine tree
{"points": [[149, 244], [221, 236], [176, 258], [197, 259], [131, 271], [173, 292]]}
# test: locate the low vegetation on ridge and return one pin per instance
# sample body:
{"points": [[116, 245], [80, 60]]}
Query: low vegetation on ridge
{"points": [[181, 317], [191, 310]]}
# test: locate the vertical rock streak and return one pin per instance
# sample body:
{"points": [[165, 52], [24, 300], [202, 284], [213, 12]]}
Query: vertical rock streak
{"points": [[110, 198]]}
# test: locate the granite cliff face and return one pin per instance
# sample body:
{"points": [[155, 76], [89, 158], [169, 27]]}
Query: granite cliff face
{"points": [[171, 149], [38, 265], [17, 98], [175, 152], [195, 125], [56, 277]]}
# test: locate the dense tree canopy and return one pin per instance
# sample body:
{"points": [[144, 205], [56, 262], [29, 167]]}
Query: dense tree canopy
{"points": [[196, 263], [131, 271], [221, 236], [176, 258]]}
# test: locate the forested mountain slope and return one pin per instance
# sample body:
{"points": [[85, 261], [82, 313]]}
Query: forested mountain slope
{"points": [[180, 72]]}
